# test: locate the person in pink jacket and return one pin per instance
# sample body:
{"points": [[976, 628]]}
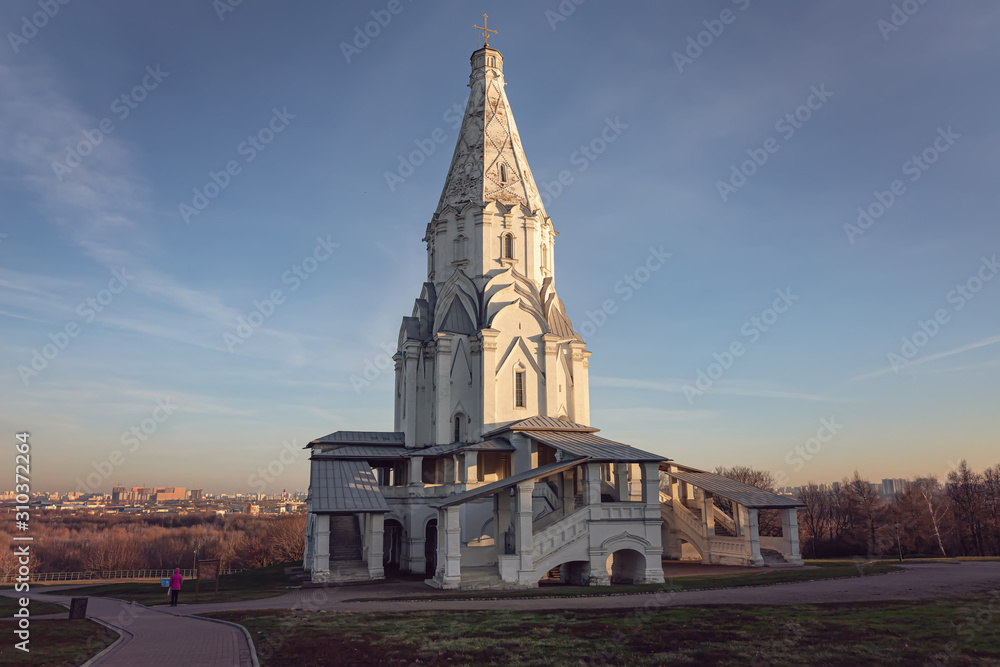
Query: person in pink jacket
{"points": [[175, 586]]}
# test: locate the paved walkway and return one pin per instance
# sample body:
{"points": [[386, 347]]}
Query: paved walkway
{"points": [[916, 582], [152, 638], [168, 636]]}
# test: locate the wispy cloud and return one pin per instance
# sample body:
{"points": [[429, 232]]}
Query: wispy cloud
{"points": [[992, 340], [728, 388]]}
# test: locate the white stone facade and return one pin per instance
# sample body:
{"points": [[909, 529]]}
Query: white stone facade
{"points": [[492, 476]]}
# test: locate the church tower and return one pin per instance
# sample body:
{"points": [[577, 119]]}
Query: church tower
{"points": [[488, 341]]}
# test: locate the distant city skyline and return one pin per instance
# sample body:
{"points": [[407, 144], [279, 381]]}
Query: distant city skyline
{"points": [[213, 225]]}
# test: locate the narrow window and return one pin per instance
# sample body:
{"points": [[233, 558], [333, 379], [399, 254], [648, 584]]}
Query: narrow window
{"points": [[519, 389], [503, 173], [458, 428], [508, 246]]}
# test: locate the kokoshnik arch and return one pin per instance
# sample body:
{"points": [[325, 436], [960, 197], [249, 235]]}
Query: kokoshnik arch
{"points": [[492, 476]]}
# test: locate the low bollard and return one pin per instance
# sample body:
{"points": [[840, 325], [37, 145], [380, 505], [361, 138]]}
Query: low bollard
{"points": [[78, 608]]}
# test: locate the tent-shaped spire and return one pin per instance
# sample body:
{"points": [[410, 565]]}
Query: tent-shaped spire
{"points": [[489, 162]]}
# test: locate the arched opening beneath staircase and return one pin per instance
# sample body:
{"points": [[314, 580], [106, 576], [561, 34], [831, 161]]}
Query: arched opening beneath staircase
{"points": [[571, 573], [626, 566], [689, 552]]}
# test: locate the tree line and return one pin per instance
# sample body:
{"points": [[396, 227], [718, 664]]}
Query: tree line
{"points": [[128, 542], [960, 517]]}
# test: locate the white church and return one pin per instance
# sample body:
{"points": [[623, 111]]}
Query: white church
{"points": [[492, 476]]}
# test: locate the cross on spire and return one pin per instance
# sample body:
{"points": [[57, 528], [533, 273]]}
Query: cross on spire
{"points": [[486, 31]]}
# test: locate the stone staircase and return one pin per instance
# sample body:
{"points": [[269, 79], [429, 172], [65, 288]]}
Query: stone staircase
{"points": [[345, 539], [474, 578], [721, 530], [774, 558]]}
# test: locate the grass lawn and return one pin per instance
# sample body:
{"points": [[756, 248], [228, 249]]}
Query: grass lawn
{"points": [[958, 631], [10, 605], [56, 643], [826, 570], [250, 585]]}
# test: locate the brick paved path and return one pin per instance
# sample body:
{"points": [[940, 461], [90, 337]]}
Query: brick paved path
{"points": [[152, 638]]}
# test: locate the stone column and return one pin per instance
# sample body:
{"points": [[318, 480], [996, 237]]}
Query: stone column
{"points": [[550, 345], [522, 455], [411, 356], [443, 422], [708, 513], [580, 364], [621, 482], [790, 531], [416, 471], [501, 520], [650, 495], [523, 530], [592, 484], [307, 558], [417, 561], [475, 432], [636, 484], [321, 549], [397, 413], [753, 526], [567, 492], [471, 467], [599, 570], [376, 531], [651, 484], [450, 548], [488, 337]]}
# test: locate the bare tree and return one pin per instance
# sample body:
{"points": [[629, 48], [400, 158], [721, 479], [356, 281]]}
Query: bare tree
{"points": [[991, 502], [814, 515], [966, 490], [869, 507]]}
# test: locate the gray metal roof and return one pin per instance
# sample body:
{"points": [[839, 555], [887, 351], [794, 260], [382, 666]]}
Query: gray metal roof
{"points": [[543, 423], [437, 450], [360, 438], [595, 447], [494, 445], [344, 487], [507, 482], [363, 452], [749, 496]]}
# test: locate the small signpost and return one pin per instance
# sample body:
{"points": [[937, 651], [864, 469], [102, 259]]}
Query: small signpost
{"points": [[207, 571], [78, 608]]}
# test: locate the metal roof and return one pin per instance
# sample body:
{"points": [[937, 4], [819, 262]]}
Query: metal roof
{"points": [[343, 487], [595, 447], [437, 450], [363, 452], [543, 423], [360, 438], [749, 496], [493, 487], [494, 445]]}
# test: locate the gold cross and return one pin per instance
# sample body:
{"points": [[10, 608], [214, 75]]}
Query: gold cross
{"points": [[486, 31]]}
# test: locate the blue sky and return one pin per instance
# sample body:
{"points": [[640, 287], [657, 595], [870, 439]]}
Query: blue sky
{"points": [[156, 359]]}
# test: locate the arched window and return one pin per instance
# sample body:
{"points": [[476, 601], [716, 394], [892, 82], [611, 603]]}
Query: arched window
{"points": [[503, 173], [508, 246], [458, 428], [519, 389]]}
